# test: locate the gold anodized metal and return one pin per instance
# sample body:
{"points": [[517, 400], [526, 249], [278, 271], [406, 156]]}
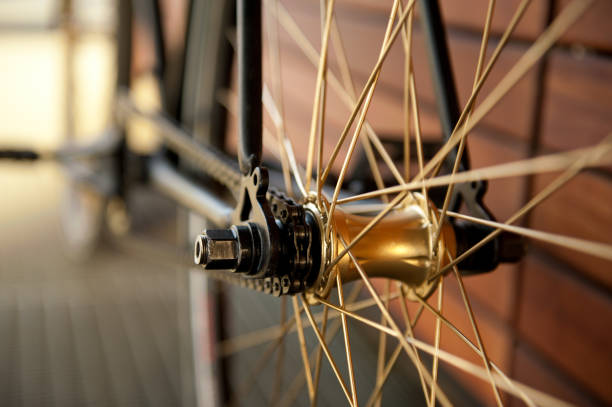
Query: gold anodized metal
{"points": [[399, 247]]}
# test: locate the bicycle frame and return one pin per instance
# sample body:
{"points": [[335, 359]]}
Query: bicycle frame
{"points": [[203, 198], [249, 58]]}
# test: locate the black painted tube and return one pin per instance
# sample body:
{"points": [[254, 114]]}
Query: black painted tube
{"points": [[249, 84]]}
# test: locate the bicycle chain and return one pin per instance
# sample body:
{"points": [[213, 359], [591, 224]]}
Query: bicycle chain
{"points": [[295, 273], [211, 161]]}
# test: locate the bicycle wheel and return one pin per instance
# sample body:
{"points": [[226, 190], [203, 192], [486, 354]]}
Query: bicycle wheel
{"points": [[362, 65]]}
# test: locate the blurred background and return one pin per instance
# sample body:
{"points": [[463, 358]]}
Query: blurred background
{"points": [[111, 330], [115, 329]]}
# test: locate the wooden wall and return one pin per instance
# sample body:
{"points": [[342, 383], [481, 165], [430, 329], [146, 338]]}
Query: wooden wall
{"points": [[547, 319]]}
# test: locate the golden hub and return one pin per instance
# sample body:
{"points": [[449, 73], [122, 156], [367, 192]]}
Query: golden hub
{"points": [[398, 247]]}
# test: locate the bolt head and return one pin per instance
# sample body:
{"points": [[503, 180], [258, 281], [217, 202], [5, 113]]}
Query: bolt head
{"points": [[217, 250]]}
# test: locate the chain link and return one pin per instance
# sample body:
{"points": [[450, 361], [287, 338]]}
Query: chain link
{"points": [[211, 161]]}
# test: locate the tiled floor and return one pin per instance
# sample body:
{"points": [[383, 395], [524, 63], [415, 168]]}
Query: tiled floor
{"points": [[104, 332]]}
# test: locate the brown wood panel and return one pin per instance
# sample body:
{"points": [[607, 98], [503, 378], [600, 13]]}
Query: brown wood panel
{"points": [[494, 332], [298, 79], [454, 14], [495, 290], [568, 322], [577, 109], [505, 195], [581, 209], [529, 368], [556, 309], [513, 114], [531, 25], [593, 30], [362, 40]]}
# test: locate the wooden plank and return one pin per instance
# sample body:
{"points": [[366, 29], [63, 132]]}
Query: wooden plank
{"points": [[580, 209], [577, 100], [505, 195], [593, 30], [31, 351], [455, 15], [567, 322], [9, 341], [147, 359], [88, 343], [531, 369], [363, 38], [494, 332], [63, 369], [127, 386], [530, 26]]}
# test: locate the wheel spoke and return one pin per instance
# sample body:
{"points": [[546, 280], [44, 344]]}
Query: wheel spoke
{"points": [[367, 228], [483, 352], [277, 88], [326, 349], [516, 18], [392, 359], [346, 95], [251, 339], [434, 368], [561, 180], [382, 347], [376, 395], [419, 365], [366, 89], [394, 328], [319, 93], [317, 374], [298, 381], [254, 374], [597, 249], [347, 79], [362, 116], [509, 383], [461, 148], [501, 380], [347, 343], [568, 16], [285, 149], [280, 358], [417, 130], [591, 157], [281, 140], [303, 350], [354, 315]]}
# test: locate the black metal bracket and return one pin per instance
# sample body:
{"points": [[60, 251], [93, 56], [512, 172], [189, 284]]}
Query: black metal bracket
{"points": [[448, 106], [253, 209]]}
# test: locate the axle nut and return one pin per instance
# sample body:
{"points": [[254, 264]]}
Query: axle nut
{"points": [[217, 249], [226, 249]]}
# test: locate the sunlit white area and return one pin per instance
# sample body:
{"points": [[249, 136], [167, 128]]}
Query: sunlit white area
{"points": [[56, 83]]}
